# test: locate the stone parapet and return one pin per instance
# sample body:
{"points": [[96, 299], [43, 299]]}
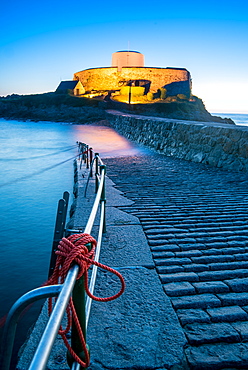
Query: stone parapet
{"points": [[216, 144]]}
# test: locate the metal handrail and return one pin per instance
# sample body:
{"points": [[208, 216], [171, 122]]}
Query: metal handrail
{"points": [[47, 340], [14, 315], [75, 365], [63, 292], [45, 346], [96, 160], [94, 269]]}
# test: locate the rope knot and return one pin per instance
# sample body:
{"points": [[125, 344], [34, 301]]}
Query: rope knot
{"points": [[73, 250]]}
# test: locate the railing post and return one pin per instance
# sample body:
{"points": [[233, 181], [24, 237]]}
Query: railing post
{"points": [[82, 148], [79, 301], [96, 171], [85, 147], [103, 195], [91, 160], [14, 316], [59, 228], [87, 156]]}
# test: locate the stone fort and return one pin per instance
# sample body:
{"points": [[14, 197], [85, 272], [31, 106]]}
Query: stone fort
{"points": [[129, 66]]}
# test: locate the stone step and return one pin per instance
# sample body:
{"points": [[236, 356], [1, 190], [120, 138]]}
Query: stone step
{"points": [[183, 274], [218, 356], [188, 218], [201, 333], [239, 252], [182, 288], [202, 301], [222, 275], [227, 314]]}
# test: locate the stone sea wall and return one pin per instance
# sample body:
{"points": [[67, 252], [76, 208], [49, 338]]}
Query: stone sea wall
{"points": [[216, 144]]}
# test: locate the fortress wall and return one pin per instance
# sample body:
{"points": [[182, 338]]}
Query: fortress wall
{"points": [[216, 144], [108, 78], [98, 78]]}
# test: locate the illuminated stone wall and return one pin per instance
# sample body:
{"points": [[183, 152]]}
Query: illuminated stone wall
{"points": [[110, 79]]}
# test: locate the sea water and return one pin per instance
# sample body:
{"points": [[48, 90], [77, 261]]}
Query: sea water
{"points": [[239, 119]]}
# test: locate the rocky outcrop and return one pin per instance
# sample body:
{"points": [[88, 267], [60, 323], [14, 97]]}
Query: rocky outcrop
{"points": [[216, 144], [176, 108], [81, 110], [51, 107]]}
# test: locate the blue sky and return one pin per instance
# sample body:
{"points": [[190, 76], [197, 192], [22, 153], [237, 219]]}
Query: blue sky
{"points": [[45, 42]]}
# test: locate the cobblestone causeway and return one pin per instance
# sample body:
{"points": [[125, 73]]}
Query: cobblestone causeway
{"points": [[195, 219]]}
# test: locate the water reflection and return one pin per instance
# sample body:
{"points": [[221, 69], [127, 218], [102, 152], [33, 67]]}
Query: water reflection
{"points": [[106, 141]]}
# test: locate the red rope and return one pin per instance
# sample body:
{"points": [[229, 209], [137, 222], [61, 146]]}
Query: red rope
{"points": [[73, 250]]}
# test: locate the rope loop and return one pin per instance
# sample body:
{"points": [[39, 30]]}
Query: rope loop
{"points": [[78, 249]]}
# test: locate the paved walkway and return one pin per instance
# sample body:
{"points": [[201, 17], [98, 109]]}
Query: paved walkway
{"points": [[196, 223]]}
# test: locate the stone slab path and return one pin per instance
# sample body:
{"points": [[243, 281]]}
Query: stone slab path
{"points": [[195, 219]]}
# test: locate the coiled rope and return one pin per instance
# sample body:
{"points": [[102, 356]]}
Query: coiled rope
{"points": [[73, 250]]}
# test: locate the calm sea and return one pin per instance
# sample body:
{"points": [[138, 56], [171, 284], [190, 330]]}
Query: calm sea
{"points": [[239, 119], [36, 162]]}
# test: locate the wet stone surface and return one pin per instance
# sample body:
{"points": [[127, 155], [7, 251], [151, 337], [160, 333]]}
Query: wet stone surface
{"points": [[195, 218]]}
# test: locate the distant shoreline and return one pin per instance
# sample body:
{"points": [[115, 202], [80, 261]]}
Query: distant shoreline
{"points": [[240, 119]]}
